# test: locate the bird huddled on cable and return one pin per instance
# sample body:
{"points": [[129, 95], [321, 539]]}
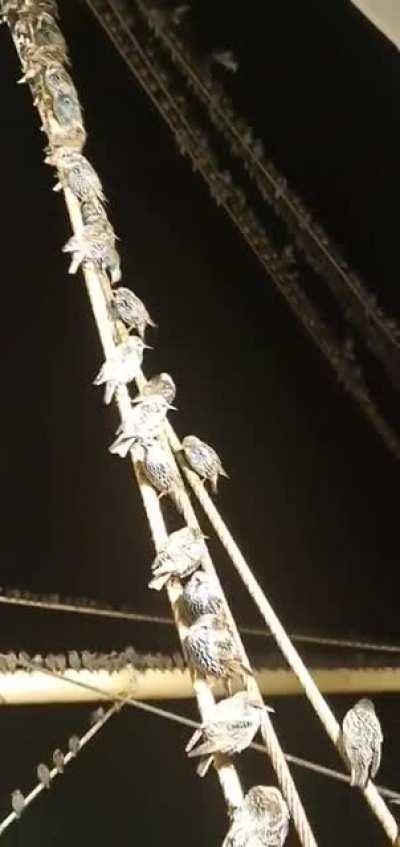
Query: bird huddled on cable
{"points": [[77, 174], [43, 775], [362, 742], [179, 557], [96, 243], [261, 820], [162, 473], [203, 459], [127, 307], [161, 384], [141, 425], [122, 368], [226, 59], [212, 650], [201, 596], [231, 727]]}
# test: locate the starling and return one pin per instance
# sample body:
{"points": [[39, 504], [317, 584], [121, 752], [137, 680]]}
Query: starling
{"points": [[129, 309], [161, 473], [201, 596], [122, 368], [77, 174], [66, 108], [48, 34], [43, 775], [95, 244], [74, 660], [161, 384], [58, 760], [226, 59], [262, 820], [230, 728], [179, 557], [17, 802], [211, 650], [143, 423], [362, 741], [74, 744], [93, 212], [57, 80], [203, 459], [97, 715]]}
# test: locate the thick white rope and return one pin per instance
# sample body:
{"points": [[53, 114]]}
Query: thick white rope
{"points": [[315, 697]]}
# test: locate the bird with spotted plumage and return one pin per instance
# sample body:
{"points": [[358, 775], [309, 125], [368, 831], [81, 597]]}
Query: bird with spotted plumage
{"points": [[203, 460], [201, 596], [161, 384], [142, 423], [212, 651], [77, 174], [261, 820], [362, 739], [179, 557], [128, 308], [162, 474], [96, 243], [122, 367], [230, 728]]}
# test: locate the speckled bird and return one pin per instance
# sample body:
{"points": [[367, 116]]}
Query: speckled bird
{"points": [[262, 820], [43, 775], [161, 473], [211, 650], [93, 212], [161, 384], [77, 174], [362, 741], [95, 244], [128, 308], [179, 557], [201, 596], [232, 725], [143, 423], [57, 80], [66, 108], [203, 459], [122, 368]]}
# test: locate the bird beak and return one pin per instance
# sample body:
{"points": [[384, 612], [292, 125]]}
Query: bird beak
{"points": [[173, 407], [147, 347]]}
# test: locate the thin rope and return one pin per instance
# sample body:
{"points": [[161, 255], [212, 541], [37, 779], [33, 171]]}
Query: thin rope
{"points": [[315, 697], [141, 617], [245, 220]]}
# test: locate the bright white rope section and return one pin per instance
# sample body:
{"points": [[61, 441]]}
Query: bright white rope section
{"points": [[99, 291], [314, 695]]}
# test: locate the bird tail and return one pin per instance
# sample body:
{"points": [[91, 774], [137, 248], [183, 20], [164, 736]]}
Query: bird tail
{"points": [[177, 496], [359, 773], [158, 582], [121, 446], [204, 765], [109, 392], [205, 749]]}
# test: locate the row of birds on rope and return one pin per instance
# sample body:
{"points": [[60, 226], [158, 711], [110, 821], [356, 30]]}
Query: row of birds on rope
{"points": [[209, 646]]}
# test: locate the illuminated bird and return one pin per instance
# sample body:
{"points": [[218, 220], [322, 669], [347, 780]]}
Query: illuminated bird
{"points": [[77, 174], [201, 596], [17, 802], [179, 557], [43, 775], [57, 80], [95, 244], [143, 423], [211, 650], [231, 727], [74, 744], [261, 820], [161, 473], [66, 108], [93, 212], [58, 760], [362, 741], [122, 368], [226, 59], [161, 384], [130, 309], [203, 459]]}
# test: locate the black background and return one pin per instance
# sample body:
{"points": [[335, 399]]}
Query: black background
{"points": [[313, 493]]}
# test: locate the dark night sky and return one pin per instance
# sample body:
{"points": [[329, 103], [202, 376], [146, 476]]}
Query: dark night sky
{"points": [[311, 496]]}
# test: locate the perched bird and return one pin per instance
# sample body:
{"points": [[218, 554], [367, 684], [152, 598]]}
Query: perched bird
{"points": [[226, 59], [66, 108], [48, 34], [161, 473], [262, 820], [161, 384], [43, 775], [231, 727], [122, 368], [95, 244], [203, 459], [143, 423], [129, 309], [77, 174], [211, 650], [362, 741], [57, 80], [93, 212], [58, 760], [179, 557], [17, 802], [74, 744], [201, 596]]}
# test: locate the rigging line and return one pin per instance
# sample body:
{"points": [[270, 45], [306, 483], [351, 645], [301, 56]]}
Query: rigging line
{"points": [[290, 290], [141, 617], [84, 739], [184, 721], [275, 182]]}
